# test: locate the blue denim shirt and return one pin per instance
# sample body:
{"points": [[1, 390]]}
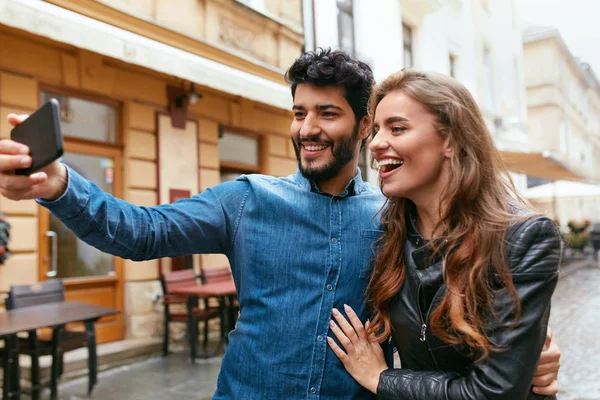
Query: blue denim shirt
{"points": [[295, 253]]}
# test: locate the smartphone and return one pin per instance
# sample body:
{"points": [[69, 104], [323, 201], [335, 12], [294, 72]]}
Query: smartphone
{"points": [[41, 132]]}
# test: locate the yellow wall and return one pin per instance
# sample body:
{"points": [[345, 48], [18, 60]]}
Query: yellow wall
{"points": [[27, 62], [263, 43]]}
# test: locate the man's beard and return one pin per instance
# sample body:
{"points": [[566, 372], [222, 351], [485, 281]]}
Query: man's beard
{"points": [[342, 152]]}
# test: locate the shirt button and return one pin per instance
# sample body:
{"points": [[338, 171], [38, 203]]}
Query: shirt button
{"points": [[313, 390], [334, 240], [329, 287], [320, 338]]}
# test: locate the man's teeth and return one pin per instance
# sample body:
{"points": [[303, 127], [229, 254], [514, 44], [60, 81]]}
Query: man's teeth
{"points": [[315, 148], [388, 161]]}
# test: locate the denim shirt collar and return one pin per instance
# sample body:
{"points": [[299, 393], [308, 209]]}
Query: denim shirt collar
{"points": [[355, 187]]}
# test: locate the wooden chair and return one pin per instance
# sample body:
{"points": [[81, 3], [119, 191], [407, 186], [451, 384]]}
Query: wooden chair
{"points": [[212, 275], [35, 346], [182, 278], [220, 274]]}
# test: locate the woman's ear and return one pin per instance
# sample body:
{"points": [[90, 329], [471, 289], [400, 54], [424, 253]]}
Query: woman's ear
{"points": [[448, 150]]}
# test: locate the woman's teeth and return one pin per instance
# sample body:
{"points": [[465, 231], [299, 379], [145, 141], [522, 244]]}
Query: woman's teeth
{"points": [[384, 163]]}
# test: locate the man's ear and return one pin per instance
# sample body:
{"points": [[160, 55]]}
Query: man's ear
{"points": [[364, 130]]}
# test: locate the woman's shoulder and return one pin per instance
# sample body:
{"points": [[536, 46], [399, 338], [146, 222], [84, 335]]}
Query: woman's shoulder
{"points": [[533, 239]]}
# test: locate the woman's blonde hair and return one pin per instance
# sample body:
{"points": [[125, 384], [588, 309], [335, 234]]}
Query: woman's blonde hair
{"points": [[475, 214]]}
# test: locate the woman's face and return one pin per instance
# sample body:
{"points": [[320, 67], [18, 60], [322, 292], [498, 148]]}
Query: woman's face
{"points": [[412, 156]]}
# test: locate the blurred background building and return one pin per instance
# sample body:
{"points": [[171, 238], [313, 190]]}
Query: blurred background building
{"points": [[563, 101], [162, 99], [539, 102]]}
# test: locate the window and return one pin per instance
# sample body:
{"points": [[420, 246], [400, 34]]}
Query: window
{"points": [[345, 26], [239, 154], [563, 137], [407, 42], [452, 62], [517, 90], [85, 119], [488, 78]]}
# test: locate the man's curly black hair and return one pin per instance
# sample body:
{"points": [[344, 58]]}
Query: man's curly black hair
{"points": [[326, 67]]}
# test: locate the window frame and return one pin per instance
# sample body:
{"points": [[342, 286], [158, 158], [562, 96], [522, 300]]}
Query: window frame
{"points": [[408, 41], [242, 168], [348, 9]]}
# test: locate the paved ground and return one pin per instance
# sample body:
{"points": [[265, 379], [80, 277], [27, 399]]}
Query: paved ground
{"points": [[172, 378], [575, 321]]}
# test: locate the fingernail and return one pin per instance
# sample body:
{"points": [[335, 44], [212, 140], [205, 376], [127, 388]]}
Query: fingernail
{"points": [[347, 308], [24, 160], [37, 176], [331, 323], [329, 340], [335, 311], [23, 150]]}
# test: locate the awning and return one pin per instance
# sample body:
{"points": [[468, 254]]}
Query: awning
{"points": [[562, 189], [539, 165], [48, 20]]}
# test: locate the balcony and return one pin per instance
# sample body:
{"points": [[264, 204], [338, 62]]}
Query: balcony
{"points": [[268, 34]]}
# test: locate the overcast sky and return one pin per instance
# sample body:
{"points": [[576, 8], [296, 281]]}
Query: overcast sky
{"points": [[577, 20]]}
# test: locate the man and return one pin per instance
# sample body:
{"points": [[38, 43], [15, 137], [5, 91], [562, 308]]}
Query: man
{"points": [[298, 246]]}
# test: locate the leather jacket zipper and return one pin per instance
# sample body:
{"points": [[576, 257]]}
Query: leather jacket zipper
{"points": [[423, 337]]}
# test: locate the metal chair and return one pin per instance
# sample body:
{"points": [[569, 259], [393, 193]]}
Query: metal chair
{"points": [[35, 346]]}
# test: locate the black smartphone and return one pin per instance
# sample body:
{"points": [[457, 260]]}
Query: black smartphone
{"points": [[41, 132]]}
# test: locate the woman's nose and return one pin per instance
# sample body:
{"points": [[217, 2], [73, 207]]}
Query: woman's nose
{"points": [[378, 143]]}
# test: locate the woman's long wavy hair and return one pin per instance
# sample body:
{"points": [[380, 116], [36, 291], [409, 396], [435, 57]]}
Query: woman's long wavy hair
{"points": [[475, 215]]}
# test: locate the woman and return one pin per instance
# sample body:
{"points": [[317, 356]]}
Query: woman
{"points": [[464, 272]]}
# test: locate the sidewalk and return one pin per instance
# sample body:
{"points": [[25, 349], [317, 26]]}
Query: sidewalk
{"points": [[571, 266], [170, 378], [175, 378]]}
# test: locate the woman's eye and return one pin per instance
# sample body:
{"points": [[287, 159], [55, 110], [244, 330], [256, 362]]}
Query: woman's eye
{"points": [[398, 129]]}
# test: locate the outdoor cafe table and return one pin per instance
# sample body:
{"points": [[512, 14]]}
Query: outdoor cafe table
{"points": [[50, 315], [225, 292]]}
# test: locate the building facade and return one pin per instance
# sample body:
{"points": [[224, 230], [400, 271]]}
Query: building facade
{"points": [[476, 41], [127, 74], [563, 102], [564, 120]]}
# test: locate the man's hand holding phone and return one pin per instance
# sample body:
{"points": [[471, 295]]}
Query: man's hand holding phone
{"points": [[49, 183]]}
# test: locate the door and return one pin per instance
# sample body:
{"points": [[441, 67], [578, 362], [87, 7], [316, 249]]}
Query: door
{"points": [[90, 276]]}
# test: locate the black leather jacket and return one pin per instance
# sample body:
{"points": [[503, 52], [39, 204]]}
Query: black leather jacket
{"points": [[433, 370]]}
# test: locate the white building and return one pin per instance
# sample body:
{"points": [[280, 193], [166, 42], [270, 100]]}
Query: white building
{"points": [[476, 41]]}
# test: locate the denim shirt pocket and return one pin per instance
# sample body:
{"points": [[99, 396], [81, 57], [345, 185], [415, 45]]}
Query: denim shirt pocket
{"points": [[368, 239]]}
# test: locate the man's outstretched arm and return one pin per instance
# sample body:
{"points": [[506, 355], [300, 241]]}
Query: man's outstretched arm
{"points": [[196, 225]]}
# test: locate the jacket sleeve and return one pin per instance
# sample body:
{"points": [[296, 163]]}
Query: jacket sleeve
{"points": [[534, 256], [205, 223]]}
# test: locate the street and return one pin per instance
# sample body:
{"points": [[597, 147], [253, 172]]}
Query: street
{"points": [[575, 321]]}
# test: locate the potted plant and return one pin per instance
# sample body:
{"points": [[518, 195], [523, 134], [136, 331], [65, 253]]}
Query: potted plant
{"points": [[578, 237]]}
